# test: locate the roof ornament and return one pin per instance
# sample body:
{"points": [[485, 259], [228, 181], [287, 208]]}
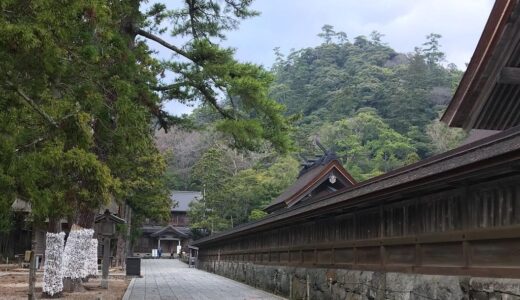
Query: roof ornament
{"points": [[327, 156], [317, 143], [332, 178]]}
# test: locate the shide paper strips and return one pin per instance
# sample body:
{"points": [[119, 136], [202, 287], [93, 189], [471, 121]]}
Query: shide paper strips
{"points": [[91, 264], [52, 274], [77, 251]]}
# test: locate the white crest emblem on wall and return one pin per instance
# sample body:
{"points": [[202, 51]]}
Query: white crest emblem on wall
{"points": [[332, 178]]}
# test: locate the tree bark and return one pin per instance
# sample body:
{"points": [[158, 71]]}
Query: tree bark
{"points": [[53, 226], [106, 262], [73, 285], [86, 217], [120, 250], [83, 218]]}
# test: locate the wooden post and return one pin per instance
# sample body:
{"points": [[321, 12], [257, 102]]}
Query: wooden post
{"points": [[32, 266], [290, 287], [106, 262], [189, 257], [466, 253], [308, 287]]}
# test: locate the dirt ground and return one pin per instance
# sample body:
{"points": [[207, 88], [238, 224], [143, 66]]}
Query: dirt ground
{"points": [[14, 285]]}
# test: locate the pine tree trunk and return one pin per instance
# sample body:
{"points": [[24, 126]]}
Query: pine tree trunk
{"points": [[84, 218], [54, 226], [72, 285], [121, 250]]}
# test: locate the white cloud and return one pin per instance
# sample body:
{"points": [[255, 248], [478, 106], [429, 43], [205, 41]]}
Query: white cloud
{"points": [[405, 23]]}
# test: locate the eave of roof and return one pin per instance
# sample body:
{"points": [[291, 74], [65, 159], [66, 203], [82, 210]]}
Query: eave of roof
{"points": [[503, 147], [169, 228], [308, 181], [20, 205], [480, 99], [333, 165], [110, 216]]}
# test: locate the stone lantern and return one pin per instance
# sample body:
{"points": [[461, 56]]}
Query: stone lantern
{"points": [[105, 226]]}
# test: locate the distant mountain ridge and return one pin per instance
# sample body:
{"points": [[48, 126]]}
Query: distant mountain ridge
{"points": [[336, 79]]}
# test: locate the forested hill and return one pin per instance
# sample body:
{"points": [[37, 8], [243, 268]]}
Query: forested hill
{"points": [[343, 87], [376, 108]]}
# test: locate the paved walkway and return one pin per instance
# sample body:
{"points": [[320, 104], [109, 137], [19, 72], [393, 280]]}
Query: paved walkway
{"points": [[172, 279]]}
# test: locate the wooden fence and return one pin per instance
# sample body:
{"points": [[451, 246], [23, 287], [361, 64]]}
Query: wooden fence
{"points": [[471, 229]]}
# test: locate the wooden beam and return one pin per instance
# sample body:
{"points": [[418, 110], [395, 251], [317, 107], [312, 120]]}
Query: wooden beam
{"points": [[509, 75]]}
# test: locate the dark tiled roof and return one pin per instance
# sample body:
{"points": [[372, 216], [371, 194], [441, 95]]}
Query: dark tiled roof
{"points": [[184, 198], [111, 217], [158, 230], [307, 180], [478, 134], [20, 205], [185, 230], [300, 183], [151, 228]]}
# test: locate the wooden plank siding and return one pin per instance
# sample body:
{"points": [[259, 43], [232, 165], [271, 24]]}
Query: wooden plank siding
{"points": [[466, 230]]}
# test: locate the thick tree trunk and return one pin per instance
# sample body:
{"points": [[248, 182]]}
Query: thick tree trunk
{"points": [[86, 217], [52, 276], [121, 240], [73, 285], [54, 226], [121, 250]]}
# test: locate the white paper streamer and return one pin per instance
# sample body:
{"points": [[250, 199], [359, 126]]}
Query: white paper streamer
{"points": [[76, 253], [91, 263], [52, 274]]}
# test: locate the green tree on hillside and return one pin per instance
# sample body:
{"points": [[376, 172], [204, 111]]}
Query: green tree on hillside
{"points": [[232, 199], [334, 80], [444, 138], [366, 145]]}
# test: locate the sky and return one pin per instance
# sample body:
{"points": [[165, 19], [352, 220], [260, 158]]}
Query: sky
{"points": [[405, 23]]}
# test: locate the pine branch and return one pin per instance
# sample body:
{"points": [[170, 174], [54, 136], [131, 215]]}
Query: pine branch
{"points": [[164, 43], [213, 101], [33, 104], [162, 88], [33, 143], [47, 136], [202, 89]]}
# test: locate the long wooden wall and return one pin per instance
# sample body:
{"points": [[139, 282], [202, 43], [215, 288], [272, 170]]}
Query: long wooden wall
{"points": [[471, 230]]}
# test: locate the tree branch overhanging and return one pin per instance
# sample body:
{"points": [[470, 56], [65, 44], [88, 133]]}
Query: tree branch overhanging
{"points": [[33, 104], [46, 136], [164, 43], [213, 101], [201, 88], [162, 88]]}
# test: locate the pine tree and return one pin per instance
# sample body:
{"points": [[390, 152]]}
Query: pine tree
{"points": [[79, 81]]}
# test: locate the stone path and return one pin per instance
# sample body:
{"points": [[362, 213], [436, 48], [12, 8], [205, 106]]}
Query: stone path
{"points": [[172, 279]]}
